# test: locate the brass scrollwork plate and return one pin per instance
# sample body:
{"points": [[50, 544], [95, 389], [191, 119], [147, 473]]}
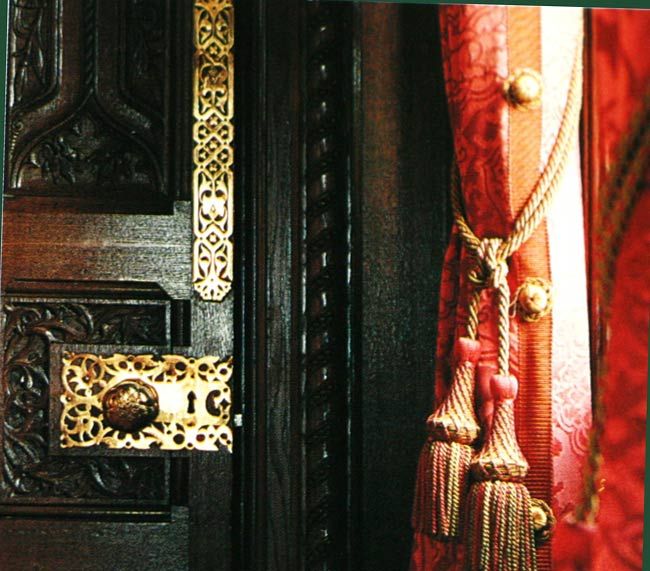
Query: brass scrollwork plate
{"points": [[213, 136], [193, 394]]}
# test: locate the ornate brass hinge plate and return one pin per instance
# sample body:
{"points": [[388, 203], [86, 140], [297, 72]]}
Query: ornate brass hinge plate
{"points": [[213, 156], [141, 402]]}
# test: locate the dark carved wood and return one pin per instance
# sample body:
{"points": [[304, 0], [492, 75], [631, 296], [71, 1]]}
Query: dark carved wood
{"points": [[325, 254], [145, 57], [29, 473], [95, 545], [404, 223], [294, 140], [341, 165], [97, 250], [268, 121], [32, 65], [94, 110], [85, 151]]}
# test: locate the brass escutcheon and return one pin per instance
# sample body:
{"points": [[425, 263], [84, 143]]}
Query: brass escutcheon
{"points": [[146, 402]]}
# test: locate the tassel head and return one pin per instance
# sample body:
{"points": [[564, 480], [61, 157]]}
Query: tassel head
{"points": [[455, 419], [501, 458]]}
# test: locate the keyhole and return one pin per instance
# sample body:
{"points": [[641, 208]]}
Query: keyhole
{"points": [[191, 397]]}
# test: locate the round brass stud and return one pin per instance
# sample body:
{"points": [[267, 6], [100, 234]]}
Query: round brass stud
{"points": [[524, 89], [533, 299], [130, 405], [543, 520]]}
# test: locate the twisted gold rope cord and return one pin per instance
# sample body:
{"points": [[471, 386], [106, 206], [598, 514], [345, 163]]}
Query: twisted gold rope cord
{"points": [[492, 253]]}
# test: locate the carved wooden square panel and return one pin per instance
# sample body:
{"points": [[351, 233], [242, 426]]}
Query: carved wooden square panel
{"points": [[31, 473], [95, 102]]}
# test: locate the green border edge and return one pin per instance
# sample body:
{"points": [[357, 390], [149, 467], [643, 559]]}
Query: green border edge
{"points": [[636, 4]]}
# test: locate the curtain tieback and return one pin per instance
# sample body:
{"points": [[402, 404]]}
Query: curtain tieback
{"points": [[501, 527]]}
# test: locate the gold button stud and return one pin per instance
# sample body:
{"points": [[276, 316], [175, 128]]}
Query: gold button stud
{"points": [[533, 299], [524, 89], [543, 520]]}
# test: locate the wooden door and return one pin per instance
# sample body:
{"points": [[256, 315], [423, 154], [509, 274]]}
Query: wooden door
{"points": [[341, 157], [98, 252]]}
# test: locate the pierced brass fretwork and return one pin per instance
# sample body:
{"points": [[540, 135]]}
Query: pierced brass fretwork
{"points": [[213, 136], [193, 401]]}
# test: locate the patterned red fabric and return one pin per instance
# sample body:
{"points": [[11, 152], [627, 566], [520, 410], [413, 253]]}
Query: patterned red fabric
{"points": [[475, 47], [475, 65], [474, 53], [619, 535], [621, 79]]}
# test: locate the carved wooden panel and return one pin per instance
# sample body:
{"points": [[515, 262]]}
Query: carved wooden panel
{"points": [[29, 472], [95, 100], [296, 63], [32, 44]]}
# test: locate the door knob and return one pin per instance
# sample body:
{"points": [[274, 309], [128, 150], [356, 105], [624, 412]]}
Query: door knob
{"points": [[130, 405]]}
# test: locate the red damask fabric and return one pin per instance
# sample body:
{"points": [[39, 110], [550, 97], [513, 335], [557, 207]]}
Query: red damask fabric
{"points": [[621, 80], [481, 45]]}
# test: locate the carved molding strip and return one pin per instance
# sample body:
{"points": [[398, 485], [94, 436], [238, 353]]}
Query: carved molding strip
{"points": [[192, 401], [213, 137], [325, 268]]}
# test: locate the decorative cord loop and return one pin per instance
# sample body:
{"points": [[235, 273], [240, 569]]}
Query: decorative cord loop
{"points": [[491, 267], [491, 255], [500, 510]]}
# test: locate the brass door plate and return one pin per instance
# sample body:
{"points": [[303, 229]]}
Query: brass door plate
{"points": [[213, 155], [192, 408]]}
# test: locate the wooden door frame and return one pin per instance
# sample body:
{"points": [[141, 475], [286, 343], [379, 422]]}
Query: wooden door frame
{"points": [[294, 460], [342, 138]]}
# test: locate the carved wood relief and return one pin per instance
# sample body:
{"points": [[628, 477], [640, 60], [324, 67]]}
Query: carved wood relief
{"points": [[32, 46], [29, 472], [94, 105]]}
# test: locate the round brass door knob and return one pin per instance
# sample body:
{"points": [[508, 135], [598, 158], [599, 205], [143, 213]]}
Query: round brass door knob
{"points": [[130, 405]]}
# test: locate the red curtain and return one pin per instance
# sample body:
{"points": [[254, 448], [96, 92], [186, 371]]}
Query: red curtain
{"points": [[501, 151], [621, 139]]}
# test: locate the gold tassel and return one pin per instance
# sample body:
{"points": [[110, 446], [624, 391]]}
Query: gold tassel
{"points": [[443, 468], [500, 535]]}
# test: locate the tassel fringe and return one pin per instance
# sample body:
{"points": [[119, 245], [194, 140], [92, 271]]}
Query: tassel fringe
{"points": [[500, 533], [443, 473], [444, 464]]}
